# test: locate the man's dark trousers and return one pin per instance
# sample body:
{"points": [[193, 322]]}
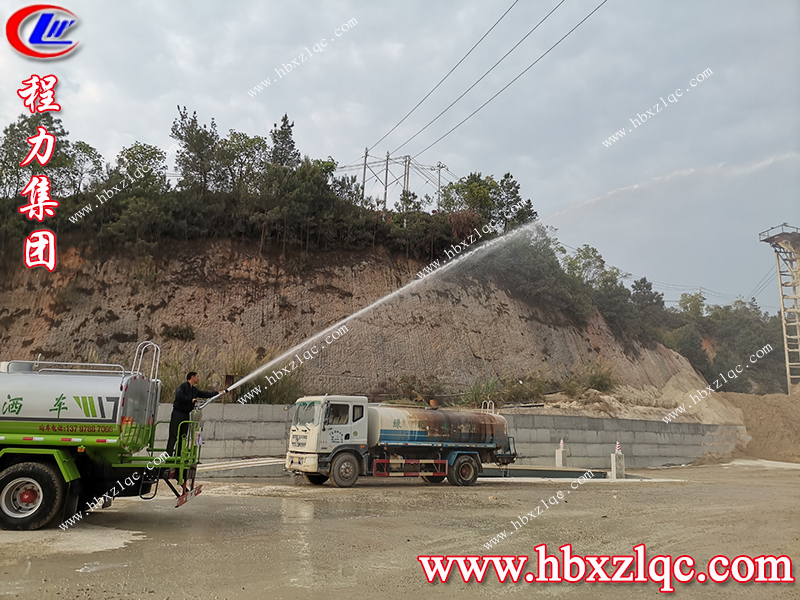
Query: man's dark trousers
{"points": [[174, 433]]}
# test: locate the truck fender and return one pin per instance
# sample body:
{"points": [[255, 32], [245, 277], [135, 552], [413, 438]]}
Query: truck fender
{"points": [[66, 464], [359, 450], [452, 456]]}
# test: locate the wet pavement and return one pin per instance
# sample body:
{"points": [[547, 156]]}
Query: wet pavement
{"points": [[271, 538]]}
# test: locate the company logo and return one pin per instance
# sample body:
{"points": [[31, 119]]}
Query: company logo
{"points": [[91, 408], [46, 38]]}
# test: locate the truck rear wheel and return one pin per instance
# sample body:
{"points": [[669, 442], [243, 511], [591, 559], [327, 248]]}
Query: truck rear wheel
{"points": [[31, 495], [315, 478], [432, 478], [344, 470], [464, 471]]}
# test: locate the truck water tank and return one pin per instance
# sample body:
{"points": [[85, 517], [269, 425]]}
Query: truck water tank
{"points": [[58, 405], [395, 425]]}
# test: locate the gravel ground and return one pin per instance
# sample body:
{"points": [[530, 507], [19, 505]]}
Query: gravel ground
{"points": [[272, 539]]}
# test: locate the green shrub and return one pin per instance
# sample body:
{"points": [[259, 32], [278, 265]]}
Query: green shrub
{"points": [[598, 376], [482, 389], [178, 332]]}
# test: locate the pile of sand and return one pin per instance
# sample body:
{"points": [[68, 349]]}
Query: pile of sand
{"points": [[773, 423]]}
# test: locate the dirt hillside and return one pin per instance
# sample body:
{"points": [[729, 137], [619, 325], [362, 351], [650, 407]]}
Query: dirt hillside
{"points": [[99, 307]]}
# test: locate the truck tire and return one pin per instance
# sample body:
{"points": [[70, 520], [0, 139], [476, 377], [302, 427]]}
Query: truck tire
{"points": [[315, 478], [464, 471], [432, 478], [344, 470], [31, 495]]}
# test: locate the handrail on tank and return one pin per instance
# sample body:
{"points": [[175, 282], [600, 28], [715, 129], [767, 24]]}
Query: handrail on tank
{"points": [[108, 367], [136, 367], [487, 406], [138, 358]]}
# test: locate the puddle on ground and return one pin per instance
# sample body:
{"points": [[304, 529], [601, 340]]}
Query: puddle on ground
{"points": [[96, 566]]}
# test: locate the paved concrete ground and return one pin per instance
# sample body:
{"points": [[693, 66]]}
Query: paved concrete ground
{"points": [[270, 539]]}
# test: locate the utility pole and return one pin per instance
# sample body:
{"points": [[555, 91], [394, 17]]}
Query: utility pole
{"points": [[406, 163], [439, 166], [364, 177], [386, 182]]}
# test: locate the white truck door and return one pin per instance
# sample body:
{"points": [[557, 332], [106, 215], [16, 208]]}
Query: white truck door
{"points": [[345, 423]]}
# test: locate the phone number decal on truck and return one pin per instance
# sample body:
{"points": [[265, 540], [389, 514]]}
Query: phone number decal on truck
{"points": [[79, 428]]}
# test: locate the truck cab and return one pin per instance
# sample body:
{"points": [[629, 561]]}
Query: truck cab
{"points": [[324, 428]]}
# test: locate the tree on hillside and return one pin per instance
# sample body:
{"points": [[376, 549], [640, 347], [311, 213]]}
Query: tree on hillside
{"points": [[586, 265], [497, 202], [688, 342], [196, 157], [15, 147], [511, 208], [284, 152], [474, 193], [692, 306], [84, 166], [240, 162], [649, 309], [740, 329], [144, 166]]}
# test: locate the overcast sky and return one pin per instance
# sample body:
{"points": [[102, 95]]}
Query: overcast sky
{"points": [[680, 199]]}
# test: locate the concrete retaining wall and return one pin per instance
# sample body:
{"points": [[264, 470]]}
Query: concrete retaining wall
{"points": [[237, 431], [588, 442], [233, 431]]}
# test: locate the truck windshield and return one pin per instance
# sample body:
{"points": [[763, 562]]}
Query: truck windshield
{"points": [[306, 413]]}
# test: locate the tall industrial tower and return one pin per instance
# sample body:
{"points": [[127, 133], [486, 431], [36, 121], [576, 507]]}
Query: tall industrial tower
{"points": [[785, 240]]}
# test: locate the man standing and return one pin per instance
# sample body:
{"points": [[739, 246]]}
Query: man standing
{"points": [[185, 399]]}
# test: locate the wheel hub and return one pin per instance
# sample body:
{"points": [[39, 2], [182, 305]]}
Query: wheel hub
{"points": [[21, 497], [28, 497], [346, 470]]}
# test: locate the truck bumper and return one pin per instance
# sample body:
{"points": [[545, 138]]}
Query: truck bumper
{"points": [[307, 463]]}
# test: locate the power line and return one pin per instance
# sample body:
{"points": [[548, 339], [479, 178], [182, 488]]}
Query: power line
{"points": [[512, 81], [766, 283], [446, 76], [769, 272], [436, 118]]}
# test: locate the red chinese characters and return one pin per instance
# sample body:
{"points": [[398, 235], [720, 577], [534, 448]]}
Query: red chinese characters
{"points": [[40, 249], [41, 89], [39, 201], [40, 246], [37, 141]]}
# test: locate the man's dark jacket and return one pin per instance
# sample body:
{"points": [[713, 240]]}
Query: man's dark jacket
{"points": [[184, 396]]}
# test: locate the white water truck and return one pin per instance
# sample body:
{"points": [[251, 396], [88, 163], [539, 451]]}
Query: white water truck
{"points": [[70, 431], [342, 437]]}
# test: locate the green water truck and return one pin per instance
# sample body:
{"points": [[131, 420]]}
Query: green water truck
{"points": [[70, 432]]}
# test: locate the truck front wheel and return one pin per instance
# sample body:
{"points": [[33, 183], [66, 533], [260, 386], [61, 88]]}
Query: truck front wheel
{"points": [[464, 471], [31, 495], [344, 470]]}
